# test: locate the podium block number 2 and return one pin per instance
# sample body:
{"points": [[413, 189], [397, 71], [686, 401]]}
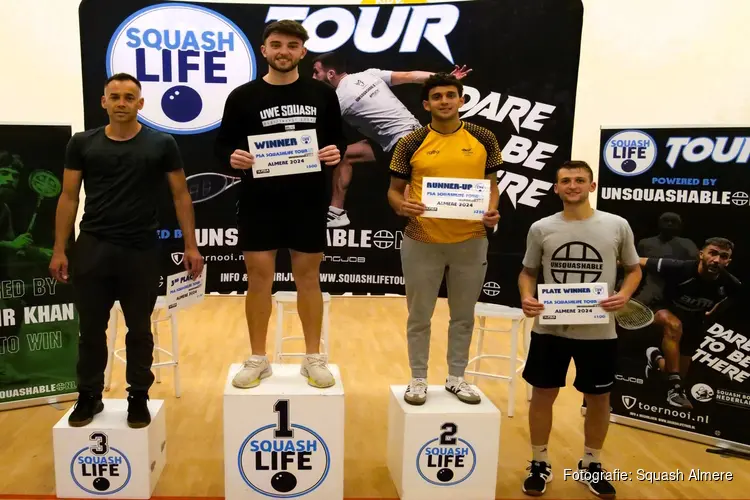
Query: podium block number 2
{"points": [[447, 459], [284, 459]]}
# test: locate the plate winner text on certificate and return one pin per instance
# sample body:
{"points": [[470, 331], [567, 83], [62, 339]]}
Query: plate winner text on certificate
{"points": [[284, 153], [455, 198], [573, 304]]}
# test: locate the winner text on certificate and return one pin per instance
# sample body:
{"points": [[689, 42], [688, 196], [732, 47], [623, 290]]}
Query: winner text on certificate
{"points": [[284, 153]]}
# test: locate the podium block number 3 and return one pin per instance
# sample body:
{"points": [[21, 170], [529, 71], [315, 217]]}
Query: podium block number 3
{"points": [[447, 459], [284, 459], [99, 468]]}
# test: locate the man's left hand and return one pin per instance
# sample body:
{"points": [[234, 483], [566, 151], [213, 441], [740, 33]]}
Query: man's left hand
{"points": [[614, 302], [491, 218], [193, 261], [330, 155], [460, 72]]}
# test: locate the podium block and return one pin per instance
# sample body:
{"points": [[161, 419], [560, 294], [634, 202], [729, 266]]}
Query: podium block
{"points": [[444, 449], [107, 458], [284, 438]]}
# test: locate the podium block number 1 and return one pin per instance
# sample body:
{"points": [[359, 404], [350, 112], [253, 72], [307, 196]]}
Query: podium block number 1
{"points": [[100, 469], [446, 460], [284, 459]]}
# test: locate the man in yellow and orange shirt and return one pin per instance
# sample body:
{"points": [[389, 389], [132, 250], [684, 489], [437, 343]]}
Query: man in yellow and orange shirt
{"points": [[445, 148]]}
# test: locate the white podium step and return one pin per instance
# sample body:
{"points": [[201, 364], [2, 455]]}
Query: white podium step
{"points": [[284, 438], [444, 449], [107, 458]]}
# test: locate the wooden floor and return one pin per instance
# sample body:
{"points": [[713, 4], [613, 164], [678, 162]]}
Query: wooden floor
{"points": [[368, 343]]}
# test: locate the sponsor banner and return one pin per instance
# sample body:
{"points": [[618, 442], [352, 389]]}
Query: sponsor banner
{"points": [[189, 56], [678, 188], [38, 320]]}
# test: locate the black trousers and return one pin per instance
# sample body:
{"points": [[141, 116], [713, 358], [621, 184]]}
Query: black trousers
{"points": [[102, 273]]}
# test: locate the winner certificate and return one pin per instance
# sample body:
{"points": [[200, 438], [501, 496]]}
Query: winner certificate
{"points": [[284, 153], [455, 198], [573, 304]]}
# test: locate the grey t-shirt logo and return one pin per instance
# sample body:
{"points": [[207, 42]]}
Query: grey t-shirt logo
{"points": [[576, 262]]}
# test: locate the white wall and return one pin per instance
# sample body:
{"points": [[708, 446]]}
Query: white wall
{"points": [[643, 62], [661, 62]]}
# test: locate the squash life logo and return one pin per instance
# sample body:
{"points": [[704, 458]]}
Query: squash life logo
{"points": [[100, 469], [284, 460], [188, 59]]}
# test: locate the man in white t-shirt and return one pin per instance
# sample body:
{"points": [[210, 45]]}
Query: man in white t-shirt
{"points": [[368, 105]]}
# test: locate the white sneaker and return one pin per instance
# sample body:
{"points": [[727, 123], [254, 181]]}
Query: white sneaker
{"points": [[416, 392], [315, 369], [253, 370], [462, 390], [338, 220]]}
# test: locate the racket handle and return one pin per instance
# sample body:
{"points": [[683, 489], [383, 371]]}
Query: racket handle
{"points": [[31, 224]]}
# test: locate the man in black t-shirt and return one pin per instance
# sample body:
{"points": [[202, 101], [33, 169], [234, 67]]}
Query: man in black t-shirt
{"points": [[288, 210], [668, 244], [693, 290], [123, 167]]}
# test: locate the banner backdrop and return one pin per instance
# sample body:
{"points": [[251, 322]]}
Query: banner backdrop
{"points": [[38, 321], [189, 56], [679, 187]]}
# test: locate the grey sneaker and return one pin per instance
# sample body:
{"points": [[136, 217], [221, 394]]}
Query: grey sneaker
{"points": [[338, 220], [315, 369], [462, 390], [677, 397], [416, 392], [253, 370]]}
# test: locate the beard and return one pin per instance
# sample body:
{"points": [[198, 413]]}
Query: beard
{"points": [[283, 69]]}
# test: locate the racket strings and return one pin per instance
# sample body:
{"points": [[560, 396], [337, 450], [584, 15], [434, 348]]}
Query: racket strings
{"points": [[634, 315]]}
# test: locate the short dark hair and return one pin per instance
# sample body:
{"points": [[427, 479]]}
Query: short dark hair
{"points": [[286, 27], [123, 77], [722, 243], [332, 60], [573, 165], [441, 80]]}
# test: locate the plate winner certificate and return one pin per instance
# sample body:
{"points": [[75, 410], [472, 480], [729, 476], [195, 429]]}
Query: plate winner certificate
{"points": [[284, 153], [573, 304]]}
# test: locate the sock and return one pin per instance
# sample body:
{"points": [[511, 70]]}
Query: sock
{"points": [[539, 453], [335, 210], [590, 455], [674, 379]]}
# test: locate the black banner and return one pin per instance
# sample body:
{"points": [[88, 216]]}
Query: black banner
{"points": [[189, 56], [679, 187]]}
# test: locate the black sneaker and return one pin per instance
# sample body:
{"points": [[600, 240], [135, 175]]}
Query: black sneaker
{"points": [[86, 407], [540, 473], [595, 478], [138, 414]]}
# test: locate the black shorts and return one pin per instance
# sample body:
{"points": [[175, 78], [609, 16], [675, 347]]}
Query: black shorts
{"points": [[693, 329], [549, 357], [302, 231]]}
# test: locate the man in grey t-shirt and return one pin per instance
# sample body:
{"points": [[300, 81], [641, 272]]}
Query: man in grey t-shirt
{"points": [[577, 245], [370, 107]]}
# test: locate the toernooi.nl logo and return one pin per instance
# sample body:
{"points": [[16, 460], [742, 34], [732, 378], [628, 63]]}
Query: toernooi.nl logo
{"points": [[188, 59]]}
